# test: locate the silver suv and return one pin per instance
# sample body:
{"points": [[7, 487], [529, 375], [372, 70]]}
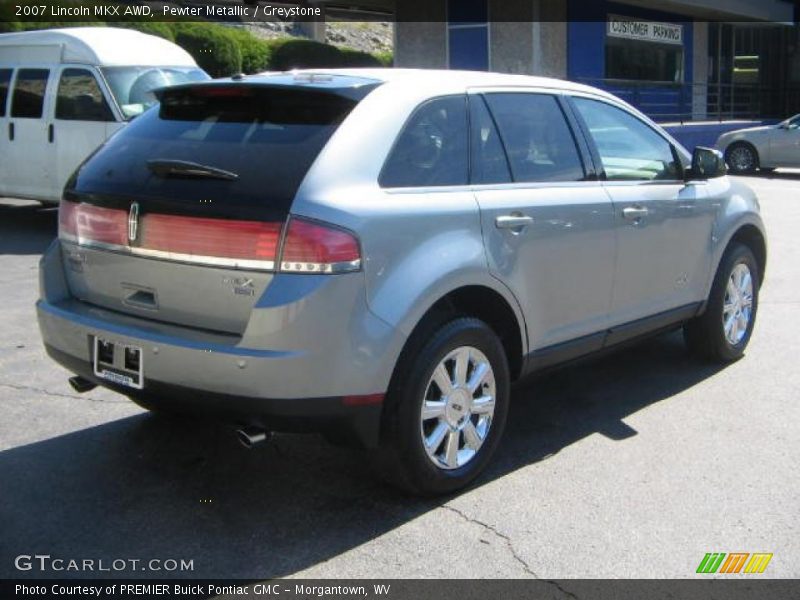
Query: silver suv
{"points": [[378, 254]]}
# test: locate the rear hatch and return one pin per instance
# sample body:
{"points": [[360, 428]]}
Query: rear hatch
{"points": [[179, 217]]}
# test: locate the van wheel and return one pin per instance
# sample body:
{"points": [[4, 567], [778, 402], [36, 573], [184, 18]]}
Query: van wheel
{"points": [[446, 409], [721, 333]]}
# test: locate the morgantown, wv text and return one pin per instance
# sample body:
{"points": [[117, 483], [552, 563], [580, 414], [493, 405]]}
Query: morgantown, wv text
{"points": [[200, 590]]}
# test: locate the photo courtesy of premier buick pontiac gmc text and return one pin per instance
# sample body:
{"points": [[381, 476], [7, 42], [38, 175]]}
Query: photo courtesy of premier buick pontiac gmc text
{"points": [[378, 254]]}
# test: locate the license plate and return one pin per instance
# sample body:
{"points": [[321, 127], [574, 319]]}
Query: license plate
{"points": [[118, 363]]}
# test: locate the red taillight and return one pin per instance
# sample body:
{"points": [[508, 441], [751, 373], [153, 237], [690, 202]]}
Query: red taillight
{"points": [[211, 238], [316, 248], [86, 224], [309, 247]]}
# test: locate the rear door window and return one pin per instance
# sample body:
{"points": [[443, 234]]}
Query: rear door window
{"points": [[432, 148], [80, 98], [265, 137], [489, 162], [537, 138], [29, 90], [5, 79]]}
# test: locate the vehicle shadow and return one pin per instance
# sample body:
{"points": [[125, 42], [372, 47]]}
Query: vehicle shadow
{"points": [[151, 487], [25, 227]]}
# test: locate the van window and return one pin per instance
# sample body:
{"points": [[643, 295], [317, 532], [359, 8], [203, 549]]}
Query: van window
{"points": [[5, 78], [629, 149], [29, 89], [80, 98], [537, 138], [432, 148], [132, 87]]}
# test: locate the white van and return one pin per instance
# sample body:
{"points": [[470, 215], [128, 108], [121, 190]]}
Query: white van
{"points": [[63, 92]]}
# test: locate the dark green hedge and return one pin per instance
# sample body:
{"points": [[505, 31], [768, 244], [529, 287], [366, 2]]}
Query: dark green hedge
{"points": [[224, 51], [217, 52]]}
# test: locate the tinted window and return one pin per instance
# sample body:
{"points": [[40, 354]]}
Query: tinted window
{"points": [[80, 99], [489, 163], [629, 149], [268, 137], [432, 148], [537, 138], [29, 89], [5, 78]]}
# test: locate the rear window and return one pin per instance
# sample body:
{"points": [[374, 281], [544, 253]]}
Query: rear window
{"points": [[267, 136]]}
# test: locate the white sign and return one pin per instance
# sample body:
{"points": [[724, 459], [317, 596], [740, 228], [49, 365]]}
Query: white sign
{"points": [[645, 31]]}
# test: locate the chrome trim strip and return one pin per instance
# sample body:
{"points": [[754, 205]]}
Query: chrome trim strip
{"points": [[213, 261]]}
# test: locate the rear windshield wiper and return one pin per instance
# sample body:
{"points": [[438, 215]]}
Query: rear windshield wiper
{"points": [[185, 168]]}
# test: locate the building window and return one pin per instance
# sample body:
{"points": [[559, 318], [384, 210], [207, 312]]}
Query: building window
{"points": [[631, 59], [468, 34], [644, 50]]}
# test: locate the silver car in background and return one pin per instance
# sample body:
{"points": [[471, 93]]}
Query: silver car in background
{"points": [[762, 148], [378, 254]]}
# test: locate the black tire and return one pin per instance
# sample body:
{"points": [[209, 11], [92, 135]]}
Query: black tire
{"points": [[402, 459], [739, 167], [705, 335]]}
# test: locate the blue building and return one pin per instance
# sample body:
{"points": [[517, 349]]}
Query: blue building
{"points": [[677, 60]]}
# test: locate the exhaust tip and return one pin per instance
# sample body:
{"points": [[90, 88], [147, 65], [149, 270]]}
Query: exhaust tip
{"points": [[81, 385], [251, 436]]}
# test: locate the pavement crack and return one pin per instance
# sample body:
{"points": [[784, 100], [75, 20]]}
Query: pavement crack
{"points": [[560, 589], [28, 388], [506, 539]]}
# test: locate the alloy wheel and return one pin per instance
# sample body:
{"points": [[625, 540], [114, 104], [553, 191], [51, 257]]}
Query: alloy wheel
{"points": [[458, 408]]}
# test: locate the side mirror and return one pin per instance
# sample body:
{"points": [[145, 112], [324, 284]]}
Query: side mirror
{"points": [[707, 163]]}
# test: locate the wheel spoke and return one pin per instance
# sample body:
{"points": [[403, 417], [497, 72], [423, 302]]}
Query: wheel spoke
{"points": [[434, 440], [728, 307], [742, 326], [471, 436], [451, 449], [433, 409], [442, 379], [734, 335], [462, 363], [478, 375], [483, 405]]}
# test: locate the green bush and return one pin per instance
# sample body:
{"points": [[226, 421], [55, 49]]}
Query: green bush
{"points": [[212, 47], [385, 57], [291, 53], [255, 53]]}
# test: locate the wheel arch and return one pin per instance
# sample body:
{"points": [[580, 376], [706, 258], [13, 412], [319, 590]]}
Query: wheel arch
{"points": [[752, 237], [486, 304]]}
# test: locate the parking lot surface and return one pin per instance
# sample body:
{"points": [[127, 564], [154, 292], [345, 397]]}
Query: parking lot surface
{"points": [[633, 465]]}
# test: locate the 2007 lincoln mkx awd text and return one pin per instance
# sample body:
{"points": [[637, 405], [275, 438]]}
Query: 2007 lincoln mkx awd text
{"points": [[378, 254]]}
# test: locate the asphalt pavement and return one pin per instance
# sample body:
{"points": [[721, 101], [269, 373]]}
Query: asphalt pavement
{"points": [[633, 465]]}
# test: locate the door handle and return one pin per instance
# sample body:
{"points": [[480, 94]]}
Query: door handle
{"points": [[11, 131], [513, 221], [51, 133], [634, 213]]}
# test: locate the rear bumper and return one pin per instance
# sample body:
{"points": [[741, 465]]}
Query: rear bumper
{"points": [[333, 382], [357, 418]]}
